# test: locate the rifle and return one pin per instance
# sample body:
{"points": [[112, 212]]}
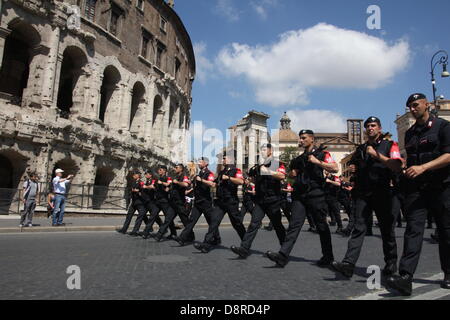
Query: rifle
{"points": [[359, 156]]}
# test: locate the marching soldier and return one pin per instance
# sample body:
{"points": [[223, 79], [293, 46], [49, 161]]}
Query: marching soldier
{"points": [[267, 200], [227, 184], [177, 198], [162, 203], [427, 145], [286, 202], [137, 203], [148, 193], [308, 196], [373, 163], [345, 199], [203, 203]]}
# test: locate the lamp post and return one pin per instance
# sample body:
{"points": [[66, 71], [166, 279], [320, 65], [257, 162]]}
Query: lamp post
{"points": [[445, 74]]}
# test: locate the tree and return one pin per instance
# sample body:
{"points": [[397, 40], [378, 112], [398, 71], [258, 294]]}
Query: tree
{"points": [[288, 154]]}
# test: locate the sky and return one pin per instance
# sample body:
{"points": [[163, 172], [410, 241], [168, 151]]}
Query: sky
{"points": [[321, 61]]}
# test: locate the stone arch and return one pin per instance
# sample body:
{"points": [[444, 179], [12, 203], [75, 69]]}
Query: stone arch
{"points": [[109, 93], [137, 107], [12, 168], [17, 57], [103, 177], [73, 62]]}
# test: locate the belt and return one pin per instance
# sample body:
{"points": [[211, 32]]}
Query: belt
{"points": [[60, 194]]}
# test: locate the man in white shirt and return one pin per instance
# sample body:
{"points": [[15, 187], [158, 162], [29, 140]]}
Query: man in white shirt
{"points": [[59, 188]]}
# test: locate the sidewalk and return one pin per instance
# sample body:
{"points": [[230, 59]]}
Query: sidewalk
{"points": [[10, 223]]}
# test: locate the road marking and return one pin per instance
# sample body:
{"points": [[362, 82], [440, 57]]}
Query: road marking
{"points": [[377, 295], [432, 295]]}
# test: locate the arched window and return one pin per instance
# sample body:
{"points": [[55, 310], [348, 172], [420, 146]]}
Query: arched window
{"points": [[111, 77], [137, 102], [73, 61], [17, 57]]}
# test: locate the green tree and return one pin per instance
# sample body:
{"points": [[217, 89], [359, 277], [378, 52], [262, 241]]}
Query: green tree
{"points": [[288, 154]]}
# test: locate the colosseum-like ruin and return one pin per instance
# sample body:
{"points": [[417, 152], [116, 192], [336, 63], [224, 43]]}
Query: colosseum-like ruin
{"points": [[95, 87]]}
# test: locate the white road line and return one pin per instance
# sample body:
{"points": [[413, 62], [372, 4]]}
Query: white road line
{"points": [[432, 295], [377, 295]]}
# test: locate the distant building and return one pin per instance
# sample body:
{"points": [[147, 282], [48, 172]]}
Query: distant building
{"points": [[246, 137]]}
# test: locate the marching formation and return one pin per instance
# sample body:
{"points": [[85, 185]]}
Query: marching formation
{"points": [[382, 181]]}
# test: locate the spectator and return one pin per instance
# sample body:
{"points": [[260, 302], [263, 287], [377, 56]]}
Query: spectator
{"points": [[50, 204], [59, 188], [30, 193]]}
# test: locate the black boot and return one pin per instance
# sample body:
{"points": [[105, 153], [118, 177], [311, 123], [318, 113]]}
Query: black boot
{"points": [[390, 269], [278, 258], [344, 268], [446, 283], [241, 252], [402, 284]]}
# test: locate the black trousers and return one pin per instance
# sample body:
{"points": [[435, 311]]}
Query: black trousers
{"points": [[317, 207], [230, 206], [286, 207], [157, 207], [398, 206], [349, 210], [379, 201], [334, 210], [417, 206], [272, 210], [139, 206], [247, 206], [178, 209], [204, 207]]}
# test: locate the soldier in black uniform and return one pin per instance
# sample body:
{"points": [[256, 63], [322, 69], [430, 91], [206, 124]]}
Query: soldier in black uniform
{"points": [[309, 196], [373, 162], [177, 199], [203, 203], [148, 194], [227, 184], [268, 179], [332, 187], [137, 203], [248, 199], [427, 144], [161, 202]]}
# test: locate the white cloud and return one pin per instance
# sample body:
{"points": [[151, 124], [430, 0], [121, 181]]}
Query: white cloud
{"points": [[203, 65], [261, 7], [228, 10], [323, 121], [323, 56]]}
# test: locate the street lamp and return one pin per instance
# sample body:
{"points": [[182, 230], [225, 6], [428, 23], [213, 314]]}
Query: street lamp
{"points": [[445, 74]]}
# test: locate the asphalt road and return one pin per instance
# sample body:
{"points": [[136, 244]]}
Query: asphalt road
{"points": [[114, 266]]}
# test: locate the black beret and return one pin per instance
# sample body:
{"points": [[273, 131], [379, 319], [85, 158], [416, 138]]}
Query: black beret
{"points": [[163, 167], [266, 145], [414, 97], [306, 132], [371, 120]]}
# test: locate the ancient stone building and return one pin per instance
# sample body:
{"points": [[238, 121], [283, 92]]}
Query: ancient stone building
{"points": [[95, 87]]}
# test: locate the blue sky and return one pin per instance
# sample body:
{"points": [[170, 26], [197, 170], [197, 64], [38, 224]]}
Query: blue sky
{"points": [[327, 67]]}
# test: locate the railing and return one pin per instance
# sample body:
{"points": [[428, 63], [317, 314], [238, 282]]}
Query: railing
{"points": [[89, 197]]}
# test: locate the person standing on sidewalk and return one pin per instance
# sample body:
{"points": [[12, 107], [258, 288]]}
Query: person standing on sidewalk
{"points": [[60, 190], [30, 194]]}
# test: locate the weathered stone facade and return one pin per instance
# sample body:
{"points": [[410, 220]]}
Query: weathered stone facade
{"points": [[98, 100]]}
